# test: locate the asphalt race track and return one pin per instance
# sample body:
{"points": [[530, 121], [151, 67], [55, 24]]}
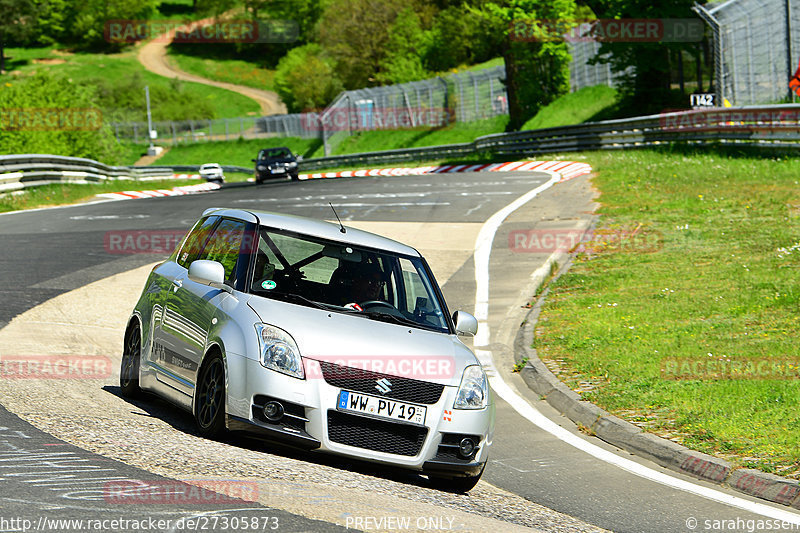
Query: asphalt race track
{"points": [[57, 252]]}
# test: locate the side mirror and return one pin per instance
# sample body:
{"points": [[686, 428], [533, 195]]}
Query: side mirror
{"points": [[254, 160], [466, 324], [207, 273], [299, 158]]}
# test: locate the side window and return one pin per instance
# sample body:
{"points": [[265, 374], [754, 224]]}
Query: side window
{"points": [[416, 295], [193, 243], [223, 246]]}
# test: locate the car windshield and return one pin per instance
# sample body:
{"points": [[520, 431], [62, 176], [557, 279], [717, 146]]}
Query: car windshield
{"points": [[276, 153], [374, 284]]}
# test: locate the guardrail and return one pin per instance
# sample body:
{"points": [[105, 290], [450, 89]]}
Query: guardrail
{"points": [[31, 170], [771, 126]]}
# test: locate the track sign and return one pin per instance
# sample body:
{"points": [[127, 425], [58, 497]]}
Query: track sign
{"points": [[702, 100]]}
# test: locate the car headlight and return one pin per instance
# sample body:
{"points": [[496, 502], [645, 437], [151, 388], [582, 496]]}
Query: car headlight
{"points": [[292, 164], [278, 351], [473, 392], [261, 167]]}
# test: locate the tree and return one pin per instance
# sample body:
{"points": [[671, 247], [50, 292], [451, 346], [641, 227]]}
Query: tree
{"points": [[91, 16], [644, 68], [407, 45], [305, 13], [537, 72], [16, 17], [355, 33], [306, 80]]}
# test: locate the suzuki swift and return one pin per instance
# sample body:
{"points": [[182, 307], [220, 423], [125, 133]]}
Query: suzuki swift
{"points": [[315, 335]]}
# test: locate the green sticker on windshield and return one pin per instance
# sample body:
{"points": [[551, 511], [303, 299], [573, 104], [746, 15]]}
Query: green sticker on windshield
{"points": [[269, 284]]}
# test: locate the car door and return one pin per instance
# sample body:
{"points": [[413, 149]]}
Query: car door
{"points": [[191, 306]]}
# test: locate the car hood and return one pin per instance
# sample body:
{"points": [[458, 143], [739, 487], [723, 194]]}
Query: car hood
{"points": [[356, 341]]}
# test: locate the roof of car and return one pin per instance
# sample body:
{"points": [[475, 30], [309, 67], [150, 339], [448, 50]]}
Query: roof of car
{"points": [[317, 228]]}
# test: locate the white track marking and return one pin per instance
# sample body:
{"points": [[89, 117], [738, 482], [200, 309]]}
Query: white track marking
{"points": [[483, 248]]}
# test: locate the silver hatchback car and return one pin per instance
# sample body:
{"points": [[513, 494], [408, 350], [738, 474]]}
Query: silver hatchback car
{"points": [[315, 335]]}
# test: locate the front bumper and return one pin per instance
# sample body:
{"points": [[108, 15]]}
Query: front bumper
{"points": [[312, 421]]}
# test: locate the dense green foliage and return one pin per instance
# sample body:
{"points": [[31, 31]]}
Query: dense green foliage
{"points": [[305, 79], [48, 115], [351, 44]]}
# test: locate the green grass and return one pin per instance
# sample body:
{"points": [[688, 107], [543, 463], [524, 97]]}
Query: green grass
{"points": [[71, 193], [460, 132], [131, 152], [581, 106], [240, 152], [711, 275], [85, 68], [235, 71], [175, 10], [496, 62]]}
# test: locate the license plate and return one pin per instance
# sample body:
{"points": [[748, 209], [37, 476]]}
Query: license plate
{"points": [[381, 407]]}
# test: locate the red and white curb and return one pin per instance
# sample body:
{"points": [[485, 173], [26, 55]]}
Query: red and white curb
{"points": [[157, 193], [567, 169]]}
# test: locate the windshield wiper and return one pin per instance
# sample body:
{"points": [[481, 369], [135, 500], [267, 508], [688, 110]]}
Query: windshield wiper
{"points": [[378, 315], [295, 298]]}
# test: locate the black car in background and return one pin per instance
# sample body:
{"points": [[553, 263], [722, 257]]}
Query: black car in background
{"points": [[276, 163]]}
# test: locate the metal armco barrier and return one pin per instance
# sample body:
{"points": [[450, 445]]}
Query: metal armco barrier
{"points": [[770, 126], [30, 170], [766, 126]]}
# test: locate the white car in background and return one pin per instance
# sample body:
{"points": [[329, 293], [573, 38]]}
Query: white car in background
{"points": [[315, 335], [212, 172]]}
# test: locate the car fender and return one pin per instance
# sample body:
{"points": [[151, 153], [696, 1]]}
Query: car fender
{"points": [[234, 341]]}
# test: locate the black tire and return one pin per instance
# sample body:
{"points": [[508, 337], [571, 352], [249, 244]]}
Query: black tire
{"points": [[131, 357], [209, 404], [459, 485], [295, 176]]}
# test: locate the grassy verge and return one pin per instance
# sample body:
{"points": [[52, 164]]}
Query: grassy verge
{"points": [[583, 105], [71, 193], [120, 69], [710, 277], [235, 71], [241, 152], [460, 132]]}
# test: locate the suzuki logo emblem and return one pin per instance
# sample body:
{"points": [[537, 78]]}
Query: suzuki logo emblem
{"points": [[383, 385]]}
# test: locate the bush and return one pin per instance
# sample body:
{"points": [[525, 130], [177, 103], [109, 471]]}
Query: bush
{"points": [[306, 80], [24, 129]]}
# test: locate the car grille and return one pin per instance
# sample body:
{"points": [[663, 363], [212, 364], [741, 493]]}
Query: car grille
{"points": [[375, 435], [403, 389]]}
